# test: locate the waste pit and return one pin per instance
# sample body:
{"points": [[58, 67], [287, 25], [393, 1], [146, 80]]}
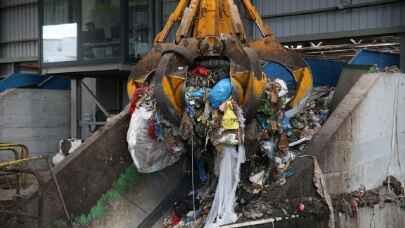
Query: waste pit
{"points": [[241, 169]]}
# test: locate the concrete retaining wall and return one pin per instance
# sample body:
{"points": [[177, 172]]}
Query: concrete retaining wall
{"points": [[88, 172], [143, 200], [367, 146], [36, 118], [381, 216], [370, 144], [92, 169]]}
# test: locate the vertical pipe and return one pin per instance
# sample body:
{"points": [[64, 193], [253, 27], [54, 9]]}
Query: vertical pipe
{"points": [[75, 107], [40, 18], [402, 50]]}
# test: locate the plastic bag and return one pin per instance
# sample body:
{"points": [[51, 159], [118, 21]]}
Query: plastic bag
{"points": [[258, 178], [269, 148], [284, 89], [200, 70], [220, 92], [149, 155], [227, 139], [222, 211], [230, 120]]}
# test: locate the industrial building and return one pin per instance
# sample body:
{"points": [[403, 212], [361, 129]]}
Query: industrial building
{"points": [[65, 66]]}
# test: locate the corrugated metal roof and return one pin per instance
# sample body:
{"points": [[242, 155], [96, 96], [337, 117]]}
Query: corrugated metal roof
{"points": [[325, 16], [288, 6], [18, 30], [19, 21], [13, 3]]}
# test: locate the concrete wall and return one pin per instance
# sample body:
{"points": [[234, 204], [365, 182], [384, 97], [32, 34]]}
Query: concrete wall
{"points": [[144, 198], [367, 147], [363, 142], [384, 216], [89, 172], [35, 117], [370, 144]]}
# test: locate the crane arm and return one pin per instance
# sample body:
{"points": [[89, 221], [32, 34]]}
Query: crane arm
{"points": [[173, 18], [186, 21], [236, 20]]}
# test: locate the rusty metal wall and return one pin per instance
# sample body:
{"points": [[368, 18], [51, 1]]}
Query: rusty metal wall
{"points": [[18, 30], [299, 20]]}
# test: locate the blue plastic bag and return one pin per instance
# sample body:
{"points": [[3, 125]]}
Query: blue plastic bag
{"points": [[220, 92], [198, 93]]}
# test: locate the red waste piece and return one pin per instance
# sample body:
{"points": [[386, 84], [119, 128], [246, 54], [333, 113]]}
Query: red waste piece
{"points": [[152, 129], [355, 207], [200, 70], [300, 208], [135, 97], [175, 219]]}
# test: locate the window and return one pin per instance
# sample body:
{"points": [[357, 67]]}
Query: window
{"points": [[168, 7], [140, 28], [100, 29], [59, 43], [59, 32], [58, 12], [95, 31]]}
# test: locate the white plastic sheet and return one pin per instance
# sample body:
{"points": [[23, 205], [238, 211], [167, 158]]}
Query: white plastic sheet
{"points": [[149, 155], [222, 210]]}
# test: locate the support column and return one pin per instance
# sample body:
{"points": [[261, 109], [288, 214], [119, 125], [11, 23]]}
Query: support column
{"points": [[75, 107], [402, 56]]}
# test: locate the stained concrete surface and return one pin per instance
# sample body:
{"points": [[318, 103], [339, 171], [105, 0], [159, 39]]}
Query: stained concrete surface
{"points": [[351, 74], [135, 206], [89, 171], [380, 216], [370, 144], [37, 118], [367, 147]]}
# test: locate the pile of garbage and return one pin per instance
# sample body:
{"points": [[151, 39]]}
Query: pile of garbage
{"points": [[392, 190], [310, 120], [230, 158]]}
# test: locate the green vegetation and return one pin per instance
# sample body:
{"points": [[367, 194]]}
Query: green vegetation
{"points": [[124, 184]]}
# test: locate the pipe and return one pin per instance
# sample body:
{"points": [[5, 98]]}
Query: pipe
{"points": [[345, 46], [95, 100], [60, 194]]}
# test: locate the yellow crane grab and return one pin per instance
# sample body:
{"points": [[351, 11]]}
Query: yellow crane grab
{"points": [[211, 30]]}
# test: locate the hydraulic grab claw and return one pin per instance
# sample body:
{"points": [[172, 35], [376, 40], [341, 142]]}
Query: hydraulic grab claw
{"points": [[212, 30]]}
